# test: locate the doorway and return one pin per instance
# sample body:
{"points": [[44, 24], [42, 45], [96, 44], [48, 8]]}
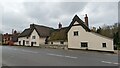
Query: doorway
{"points": [[23, 42], [31, 43]]}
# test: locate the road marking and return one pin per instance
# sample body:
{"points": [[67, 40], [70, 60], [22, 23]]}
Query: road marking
{"points": [[55, 55], [109, 62], [71, 57], [62, 56], [50, 54], [29, 51], [111, 54], [108, 54], [106, 62], [116, 63]]}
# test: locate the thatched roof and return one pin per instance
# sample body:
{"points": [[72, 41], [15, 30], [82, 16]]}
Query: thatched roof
{"points": [[25, 33], [76, 18], [59, 35], [42, 31]]}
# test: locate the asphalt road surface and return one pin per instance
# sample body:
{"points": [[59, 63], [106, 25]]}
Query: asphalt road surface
{"points": [[33, 56]]}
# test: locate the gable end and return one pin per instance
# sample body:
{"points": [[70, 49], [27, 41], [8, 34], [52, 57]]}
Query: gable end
{"points": [[81, 23]]}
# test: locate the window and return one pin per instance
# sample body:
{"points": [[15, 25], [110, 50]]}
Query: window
{"points": [[27, 42], [103, 44], [61, 42], [75, 33], [84, 44], [51, 42], [33, 37]]}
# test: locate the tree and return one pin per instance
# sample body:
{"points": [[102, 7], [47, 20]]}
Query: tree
{"points": [[99, 30], [111, 31], [116, 40]]}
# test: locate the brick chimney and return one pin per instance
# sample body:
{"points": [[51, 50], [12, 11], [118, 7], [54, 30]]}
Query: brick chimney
{"points": [[12, 31], [32, 25], [59, 25], [86, 20], [15, 32]]}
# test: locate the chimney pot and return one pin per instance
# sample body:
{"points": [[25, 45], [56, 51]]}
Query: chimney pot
{"points": [[31, 25], [85, 15], [59, 25], [86, 20], [15, 32], [12, 31]]}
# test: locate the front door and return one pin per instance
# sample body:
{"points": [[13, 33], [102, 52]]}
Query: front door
{"points": [[31, 43], [23, 42]]}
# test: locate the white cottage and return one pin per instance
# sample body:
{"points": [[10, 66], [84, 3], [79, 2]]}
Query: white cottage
{"points": [[58, 37], [81, 37], [34, 36]]}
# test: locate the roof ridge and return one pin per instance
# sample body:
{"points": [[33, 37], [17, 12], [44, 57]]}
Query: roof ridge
{"points": [[43, 26], [76, 18]]}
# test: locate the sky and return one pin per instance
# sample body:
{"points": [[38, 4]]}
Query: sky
{"points": [[19, 15]]}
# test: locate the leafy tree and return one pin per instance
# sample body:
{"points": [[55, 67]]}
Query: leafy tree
{"points": [[111, 31], [99, 30]]}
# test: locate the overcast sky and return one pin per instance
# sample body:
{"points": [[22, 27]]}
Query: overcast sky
{"points": [[19, 15]]}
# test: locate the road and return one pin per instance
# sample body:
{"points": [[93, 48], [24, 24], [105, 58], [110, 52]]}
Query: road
{"points": [[33, 56]]}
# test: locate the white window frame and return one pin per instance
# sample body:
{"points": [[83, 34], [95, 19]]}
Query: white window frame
{"points": [[33, 37], [74, 33], [105, 45]]}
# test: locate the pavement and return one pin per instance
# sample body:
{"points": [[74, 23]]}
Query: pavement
{"points": [[33, 56]]}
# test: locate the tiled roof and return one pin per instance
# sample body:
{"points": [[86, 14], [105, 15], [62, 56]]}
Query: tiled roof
{"points": [[15, 37]]}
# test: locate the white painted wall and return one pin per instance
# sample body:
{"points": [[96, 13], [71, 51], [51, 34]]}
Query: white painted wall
{"points": [[23, 38], [34, 33], [37, 39], [58, 43], [94, 41], [16, 43], [42, 41]]}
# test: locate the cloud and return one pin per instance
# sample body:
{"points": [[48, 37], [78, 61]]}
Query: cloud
{"points": [[53, 12], [119, 12], [19, 15], [101, 13]]}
